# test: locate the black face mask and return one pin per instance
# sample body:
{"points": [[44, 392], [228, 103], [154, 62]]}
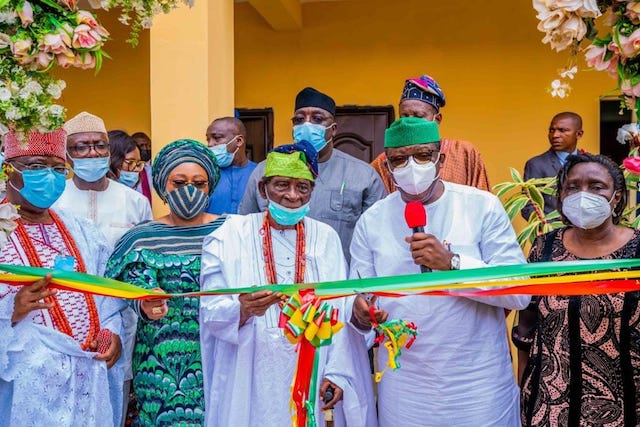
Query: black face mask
{"points": [[145, 155]]}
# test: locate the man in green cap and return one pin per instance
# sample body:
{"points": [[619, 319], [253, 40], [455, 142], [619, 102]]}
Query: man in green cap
{"points": [[458, 372], [250, 367]]}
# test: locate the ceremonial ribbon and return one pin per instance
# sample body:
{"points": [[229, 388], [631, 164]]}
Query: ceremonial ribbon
{"points": [[580, 278], [394, 335], [309, 323]]}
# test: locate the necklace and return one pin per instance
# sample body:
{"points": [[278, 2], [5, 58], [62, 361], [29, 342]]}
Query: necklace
{"points": [[267, 252], [60, 320]]}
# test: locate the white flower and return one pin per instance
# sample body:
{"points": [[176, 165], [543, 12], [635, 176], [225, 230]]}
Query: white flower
{"points": [[560, 89], [8, 17], [146, 23], [56, 110], [54, 90], [124, 19], [5, 94], [569, 73], [627, 133], [8, 216]]}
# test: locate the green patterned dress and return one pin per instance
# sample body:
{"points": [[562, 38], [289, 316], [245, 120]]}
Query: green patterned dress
{"points": [[167, 367]]}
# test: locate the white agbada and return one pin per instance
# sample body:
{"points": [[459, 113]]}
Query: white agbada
{"points": [[458, 372], [46, 379], [114, 211], [248, 370]]}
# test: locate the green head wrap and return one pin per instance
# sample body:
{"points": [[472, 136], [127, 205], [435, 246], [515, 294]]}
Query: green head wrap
{"points": [[293, 165], [411, 131]]}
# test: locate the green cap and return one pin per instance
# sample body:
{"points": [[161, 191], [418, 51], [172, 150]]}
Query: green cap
{"points": [[292, 165], [411, 131]]}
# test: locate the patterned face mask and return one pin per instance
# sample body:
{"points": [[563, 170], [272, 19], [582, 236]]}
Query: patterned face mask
{"points": [[187, 201]]}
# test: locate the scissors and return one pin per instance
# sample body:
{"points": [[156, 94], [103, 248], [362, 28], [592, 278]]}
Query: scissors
{"points": [[367, 296]]}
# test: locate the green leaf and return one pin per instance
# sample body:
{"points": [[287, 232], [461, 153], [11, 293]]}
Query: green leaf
{"points": [[515, 175], [536, 197], [504, 188], [516, 206]]}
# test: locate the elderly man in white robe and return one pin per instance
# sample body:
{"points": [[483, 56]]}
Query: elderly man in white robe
{"points": [[458, 371], [248, 364]]}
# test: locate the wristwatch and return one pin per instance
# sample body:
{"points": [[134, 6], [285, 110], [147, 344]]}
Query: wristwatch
{"points": [[455, 262]]}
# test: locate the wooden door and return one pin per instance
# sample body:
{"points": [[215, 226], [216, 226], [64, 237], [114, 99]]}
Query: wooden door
{"points": [[259, 124], [361, 130]]}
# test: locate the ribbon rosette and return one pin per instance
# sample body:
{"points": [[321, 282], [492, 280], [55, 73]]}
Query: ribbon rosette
{"points": [[398, 334], [308, 322]]}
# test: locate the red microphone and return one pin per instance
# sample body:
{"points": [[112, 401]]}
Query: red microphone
{"points": [[416, 217]]}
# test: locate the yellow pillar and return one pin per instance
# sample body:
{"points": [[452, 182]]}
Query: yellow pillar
{"points": [[192, 73]]}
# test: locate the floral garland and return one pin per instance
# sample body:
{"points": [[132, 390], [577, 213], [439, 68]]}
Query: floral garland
{"points": [[37, 35]]}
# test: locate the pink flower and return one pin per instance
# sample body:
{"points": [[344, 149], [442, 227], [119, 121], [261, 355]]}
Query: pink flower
{"points": [[633, 12], [632, 164], [630, 46], [55, 43], [21, 47], [43, 59], [87, 18], [85, 38], [594, 55], [5, 41], [85, 61], [69, 4], [25, 12], [66, 59], [629, 90]]}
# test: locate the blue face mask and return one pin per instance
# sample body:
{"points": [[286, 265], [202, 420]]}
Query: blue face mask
{"points": [[91, 169], [128, 178], [312, 133], [287, 216], [42, 187], [224, 157]]}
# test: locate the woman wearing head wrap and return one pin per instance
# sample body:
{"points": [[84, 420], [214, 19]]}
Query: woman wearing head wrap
{"points": [[165, 254]]}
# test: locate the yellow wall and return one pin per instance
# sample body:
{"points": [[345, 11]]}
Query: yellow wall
{"points": [[119, 93], [486, 56]]}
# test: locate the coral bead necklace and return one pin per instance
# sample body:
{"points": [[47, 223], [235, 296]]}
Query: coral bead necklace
{"points": [[267, 252], [60, 320]]}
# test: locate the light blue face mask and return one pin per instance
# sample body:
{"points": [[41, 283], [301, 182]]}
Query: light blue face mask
{"points": [[312, 133], [42, 187], [128, 178], [287, 216], [223, 157], [90, 169]]}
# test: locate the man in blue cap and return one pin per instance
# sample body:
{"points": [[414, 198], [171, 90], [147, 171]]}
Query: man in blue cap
{"points": [[345, 187], [422, 97]]}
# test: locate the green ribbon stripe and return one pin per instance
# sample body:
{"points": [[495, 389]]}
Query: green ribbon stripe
{"points": [[395, 284]]}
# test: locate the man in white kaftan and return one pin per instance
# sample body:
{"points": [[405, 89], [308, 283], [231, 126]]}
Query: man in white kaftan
{"points": [[249, 366], [113, 207], [49, 375], [458, 371], [114, 210]]}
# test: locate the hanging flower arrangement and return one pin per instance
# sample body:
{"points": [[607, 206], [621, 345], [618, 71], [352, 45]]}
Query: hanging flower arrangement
{"points": [[37, 35]]}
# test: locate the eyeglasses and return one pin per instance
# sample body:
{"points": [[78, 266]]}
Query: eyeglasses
{"points": [[178, 183], [41, 166], [131, 165], [419, 158], [81, 149]]}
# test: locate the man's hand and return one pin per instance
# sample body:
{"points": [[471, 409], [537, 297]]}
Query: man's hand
{"points": [[337, 394], [361, 314], [155, 308], [257, 303], [31, 298], [427, 250], [113, 353]]}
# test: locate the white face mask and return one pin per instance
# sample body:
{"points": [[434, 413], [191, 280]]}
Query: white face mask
{"points": [[587, 210], [414, 178]]}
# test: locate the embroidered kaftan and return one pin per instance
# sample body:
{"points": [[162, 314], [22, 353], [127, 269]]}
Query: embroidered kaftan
{"points": [[458, 371], [248, 370], [46, 379]]}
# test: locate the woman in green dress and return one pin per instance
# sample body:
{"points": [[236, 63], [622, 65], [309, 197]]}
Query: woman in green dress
{"points": [[165, 254]]}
